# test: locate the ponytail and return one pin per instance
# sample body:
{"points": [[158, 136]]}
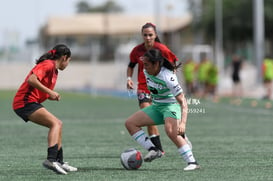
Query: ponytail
{"points": [[55, 53]]}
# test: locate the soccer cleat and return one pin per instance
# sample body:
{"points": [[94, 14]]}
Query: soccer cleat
{"points": [[152, 154], [68, 167], [55, 166], [192, 166]]}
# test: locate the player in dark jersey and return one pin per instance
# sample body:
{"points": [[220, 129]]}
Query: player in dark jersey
{"points": [[151, 40], [36, 88]]}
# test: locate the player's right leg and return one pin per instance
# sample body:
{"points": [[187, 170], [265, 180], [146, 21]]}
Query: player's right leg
{"points": [[45, 118], [133, 125], [144, 100]]}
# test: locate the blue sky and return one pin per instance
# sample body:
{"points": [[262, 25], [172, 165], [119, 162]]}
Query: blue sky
{"points": [[21, 19]]}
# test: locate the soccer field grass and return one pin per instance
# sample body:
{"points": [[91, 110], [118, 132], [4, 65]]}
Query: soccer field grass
{"points": [[230, 142]]}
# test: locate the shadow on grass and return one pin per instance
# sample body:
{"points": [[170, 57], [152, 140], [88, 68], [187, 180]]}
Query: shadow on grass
{"points": [[88, 169]]}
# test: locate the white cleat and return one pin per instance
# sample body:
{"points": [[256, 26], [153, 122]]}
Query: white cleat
{"points": [[191, 167], [68, 167], [54, 166], [152, 154]]}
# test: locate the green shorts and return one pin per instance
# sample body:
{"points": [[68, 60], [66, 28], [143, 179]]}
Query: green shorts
{"points": [[159, 112]]}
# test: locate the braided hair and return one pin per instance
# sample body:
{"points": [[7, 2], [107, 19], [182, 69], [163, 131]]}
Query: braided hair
{"points": [[55, 53]]}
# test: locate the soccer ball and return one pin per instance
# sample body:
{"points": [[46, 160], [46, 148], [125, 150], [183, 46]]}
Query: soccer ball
{"points": [[131, 159]]}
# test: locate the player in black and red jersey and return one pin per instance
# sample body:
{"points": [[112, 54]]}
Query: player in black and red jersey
{"points": [[36, 88]]}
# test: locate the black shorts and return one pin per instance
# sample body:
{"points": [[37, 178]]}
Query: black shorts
{"points": [[26, 111], [144, 97]]}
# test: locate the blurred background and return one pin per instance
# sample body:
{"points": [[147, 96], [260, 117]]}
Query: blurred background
{"points": [[101, 34]]}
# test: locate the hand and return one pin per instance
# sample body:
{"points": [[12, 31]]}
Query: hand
{"points": [[55, 96], [130, 84]]}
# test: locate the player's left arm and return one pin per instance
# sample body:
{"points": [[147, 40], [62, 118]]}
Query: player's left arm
{"points": [[177, 91]]}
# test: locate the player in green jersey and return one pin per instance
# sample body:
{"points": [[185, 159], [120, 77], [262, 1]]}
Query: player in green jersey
{"points": [[169, 107]]}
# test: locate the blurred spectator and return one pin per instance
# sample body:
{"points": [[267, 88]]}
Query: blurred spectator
{"points": [[189, 69], [202, 74], [212, 81], [236, 66], [267, 71]]}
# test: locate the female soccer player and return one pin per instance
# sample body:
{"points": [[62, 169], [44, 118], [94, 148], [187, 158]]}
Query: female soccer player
{"points": [[151, 40], [169, 107], [37, 87]]}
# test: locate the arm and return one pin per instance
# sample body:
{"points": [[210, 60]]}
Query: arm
{"points": [[34, 82], [184, 113], [130, 83]]}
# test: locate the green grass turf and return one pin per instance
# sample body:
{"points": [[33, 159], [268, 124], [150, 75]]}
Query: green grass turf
{"points": [[231, 142]]}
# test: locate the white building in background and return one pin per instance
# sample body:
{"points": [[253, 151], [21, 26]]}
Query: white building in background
{"points": [[108, 31]]}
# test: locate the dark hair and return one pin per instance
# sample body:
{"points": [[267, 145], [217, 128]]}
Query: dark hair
{"points": [[148, 25], [155, 55], [55, 53]]}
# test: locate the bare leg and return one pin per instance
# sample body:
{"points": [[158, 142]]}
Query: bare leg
{"points": [[171, 130], [152, 130], [45, 118]]}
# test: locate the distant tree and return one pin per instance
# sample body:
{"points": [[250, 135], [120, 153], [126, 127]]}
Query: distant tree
{"points": [[109, 6], [82, 7], [237, 19], [268, 19]]}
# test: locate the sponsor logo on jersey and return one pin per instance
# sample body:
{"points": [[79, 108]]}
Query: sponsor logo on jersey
{"points": [[177, 88]]}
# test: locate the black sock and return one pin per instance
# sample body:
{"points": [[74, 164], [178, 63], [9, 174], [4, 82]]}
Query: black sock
{"points": [[60, 156], [52, 153], [153, 148], [156, 141]]}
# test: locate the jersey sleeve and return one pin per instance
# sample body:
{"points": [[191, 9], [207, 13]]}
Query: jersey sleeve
{"points": [[41, 70], [172, 83], [166, 52], [133, 56]]}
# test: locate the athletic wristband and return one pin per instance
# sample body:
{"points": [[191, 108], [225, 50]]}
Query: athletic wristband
{"points": [[129, 78]]}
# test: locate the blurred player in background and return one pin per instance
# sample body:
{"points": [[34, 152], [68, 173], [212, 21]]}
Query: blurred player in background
{"points": [[37, 87], [151, 40], [236, 66], [189, 71], [212, 81], [267, 71], [169, 108], [202, 75]]}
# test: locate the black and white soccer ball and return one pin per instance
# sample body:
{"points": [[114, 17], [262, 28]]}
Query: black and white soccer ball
{"points": [[131, 159]]}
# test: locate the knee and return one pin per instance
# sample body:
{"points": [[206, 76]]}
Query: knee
{"points": [[128, 124], [58, 124]]}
